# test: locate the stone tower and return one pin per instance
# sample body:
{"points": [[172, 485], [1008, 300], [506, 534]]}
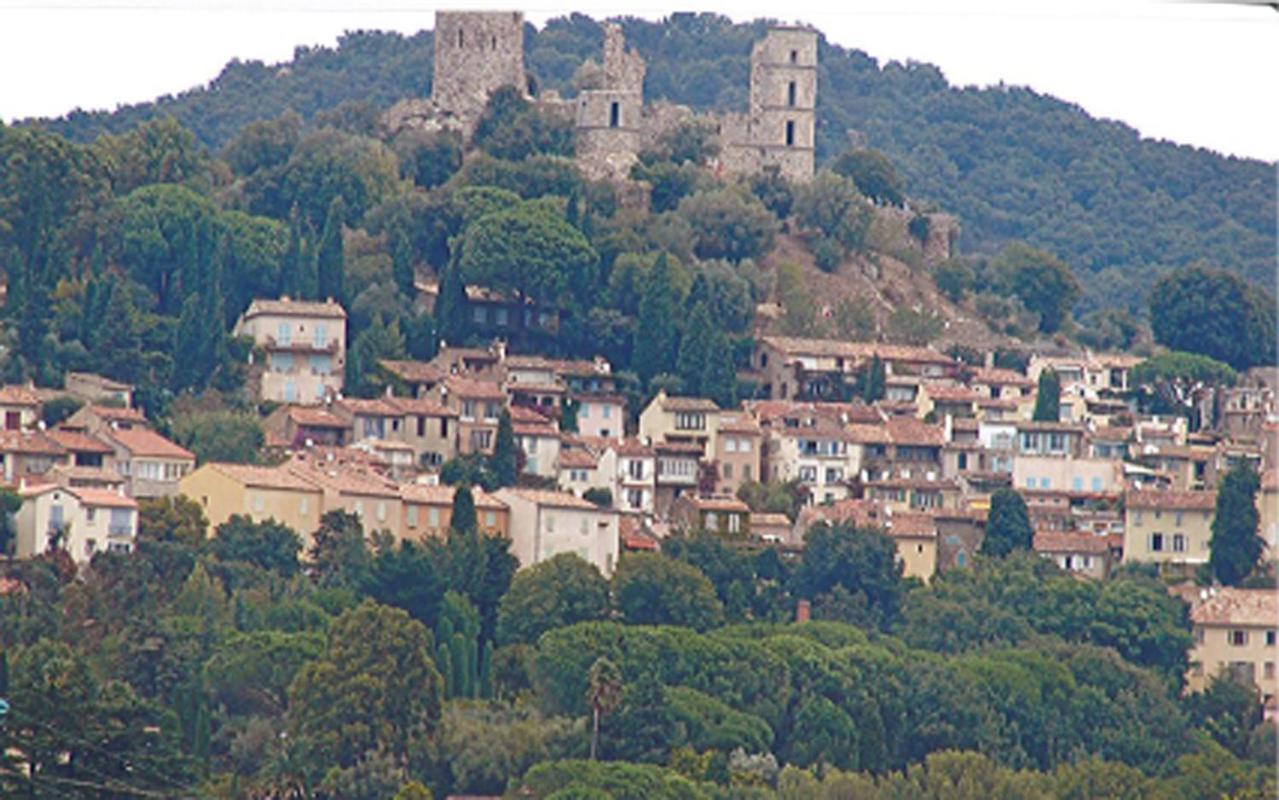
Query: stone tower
{"points": [[779, 127], [608, 118], [476, 52]]}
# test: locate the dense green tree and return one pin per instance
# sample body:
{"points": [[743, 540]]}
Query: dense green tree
{"points": [[719, 376], [330, 261], [642, 729], [604, 694], [728, 224], [873, 173], [339, 553], [554, 593], [505, 461], [853, 573], [381, 340], [651, 589], [1170, 382], [1216, 314], [118, 343], [873, 384], [694, 350], [407, 577], [1235, 546], [1048, 397], [10, 502], [463, 518], [375, 687], [172, 519], [1008, 525], [831, 205], [56, 410], [656, 341], [270, 545], [1040, 280], [263, 144], [428, 159], [512, 128], [451, 313], [224, 436]]}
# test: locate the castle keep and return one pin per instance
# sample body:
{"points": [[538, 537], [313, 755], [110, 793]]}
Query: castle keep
{"points": [[478, 52]]}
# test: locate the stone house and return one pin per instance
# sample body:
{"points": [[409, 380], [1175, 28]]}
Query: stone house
{"points": [[725, 516], [1234, 632], [1081, 553], [84, 521], [636, 477], [302, 426], [27, 455], [303, 345], [1172, 528], [544, 524], [93, 388]]}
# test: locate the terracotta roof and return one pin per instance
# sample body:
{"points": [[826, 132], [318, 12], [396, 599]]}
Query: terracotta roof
{"points": [[18, 396], [583, 368], [420, 406], [908, 431], [346, 479], [443, 496], [316, 418], [474, 388], [295, 308], [737, 422], [688, 404], [146, 442], [873, 514], [997, 376], [1111, 434], [1229, 606], [548, 498], [1189, 501], [773, 410], [264, 477], [868, 434], [103, 498], [69, 475], [1050, 427], [866, 350], [632, 534], [30, 442], [114, 414], [1005, 403], [719, 504], [413, 371], [769, 520], [79, 441], [577, 458], [376, 407], [1070, 542], [950, 393], [633, 448]]}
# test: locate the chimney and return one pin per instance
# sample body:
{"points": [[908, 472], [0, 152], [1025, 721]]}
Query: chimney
{"points": [[803, 610]]}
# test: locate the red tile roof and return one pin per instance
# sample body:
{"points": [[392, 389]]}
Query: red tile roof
{"points": [[316, 418], [295, 308], [264, 477], [1177, 500], [1229, 606], [474, 388], [413, 371], [548, 498], [79, 441], [30, 442], [103, 498], [1070, 542], [18, 396], [146, 442]]}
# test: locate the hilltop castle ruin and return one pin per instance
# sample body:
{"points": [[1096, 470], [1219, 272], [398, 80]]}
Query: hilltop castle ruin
{"points": [[478, 52]]}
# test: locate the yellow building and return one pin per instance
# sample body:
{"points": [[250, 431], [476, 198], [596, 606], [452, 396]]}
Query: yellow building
{"points": [[428, 512], [1168, 527], [1234, 632], [261, 493], [680, 420]]}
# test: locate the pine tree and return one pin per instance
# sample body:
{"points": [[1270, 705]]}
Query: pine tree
{"points": [[694, 350], [402, 263], [1235, 545], [308, 270], [719, 379], [1048, 398], [463, 518], [505, 464], [452, 318], [874, 379], [1008, 524], [330, 261], [291, 264], [119, 344], [656, 333]]}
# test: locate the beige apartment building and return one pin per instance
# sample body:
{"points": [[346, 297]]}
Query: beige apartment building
{"points": [[260, 493], [304, 344], [544, 524], [1234, 632], [737, 452], [428, 512], [151, 465], [84, 521], [1168, 527], [680, 420]]}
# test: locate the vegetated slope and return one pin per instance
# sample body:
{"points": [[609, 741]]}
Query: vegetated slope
{"points": [[1011, 163]]}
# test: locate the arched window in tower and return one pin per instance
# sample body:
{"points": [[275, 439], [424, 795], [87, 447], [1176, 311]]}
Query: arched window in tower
{"points": [[794, 56], [790, 133], [790, 94], [461, 39], [614, 114]]}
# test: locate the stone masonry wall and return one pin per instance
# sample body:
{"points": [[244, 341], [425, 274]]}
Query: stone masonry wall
{"points": [[476, 52]]}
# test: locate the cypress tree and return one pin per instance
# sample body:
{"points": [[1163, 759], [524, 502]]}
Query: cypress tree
{"points": [[486, 670], [402, 263], [290, 266], [462, 677], [656, 333], [463, 518], [308, 271], [694, 350], [719, 379], [1235, 545], [505, 465], [874, 379], [1008, 525], [1048, 398], [330, 260], [119, 350], [452, 321]]}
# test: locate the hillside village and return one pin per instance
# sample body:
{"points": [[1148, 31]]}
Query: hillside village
{"points": [[960, 448]]}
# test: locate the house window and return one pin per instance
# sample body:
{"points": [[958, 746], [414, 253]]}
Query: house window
{"points": [[734, 523], [711, 521], [727, 470], [468, 409], [808, 474], [1179, 517], [283, 336], [410, 516], [1270, 670], [1238, 638], [1136, 517], [290, 392], [634, 498], [1096, 484], [304, 505], [89, 514], [1077, 483], [381, 512], [480, 314], [730, 444], [607, 411], [259, 502], [358, 510], [320, 336], [490, 519], [481, 440], [1270, 638], [281, 362], [614, 114], [1178, 543], [834, 474], [320, 365], [433, 517], [1156, 542]]}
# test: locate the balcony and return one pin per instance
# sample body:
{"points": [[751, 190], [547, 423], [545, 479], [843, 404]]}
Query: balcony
{"points": [[272, 344]]}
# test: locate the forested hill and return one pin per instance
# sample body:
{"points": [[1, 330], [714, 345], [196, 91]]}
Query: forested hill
{"points": [[1011, 163]]}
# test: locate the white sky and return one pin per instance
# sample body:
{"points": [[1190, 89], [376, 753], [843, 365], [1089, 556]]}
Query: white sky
{"points": [[1205, 74]]}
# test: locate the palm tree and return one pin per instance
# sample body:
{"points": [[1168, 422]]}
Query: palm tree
{"points": [[604, 692]]}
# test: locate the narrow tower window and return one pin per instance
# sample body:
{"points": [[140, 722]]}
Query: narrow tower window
{"points": [[614, 114], [794, 56], [494, 42], [790, 94], [460, 37], [790, 133]]}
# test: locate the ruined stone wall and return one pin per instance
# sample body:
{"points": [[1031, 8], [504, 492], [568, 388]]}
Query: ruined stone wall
{"points": [[609, 119], [476, 52]]}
